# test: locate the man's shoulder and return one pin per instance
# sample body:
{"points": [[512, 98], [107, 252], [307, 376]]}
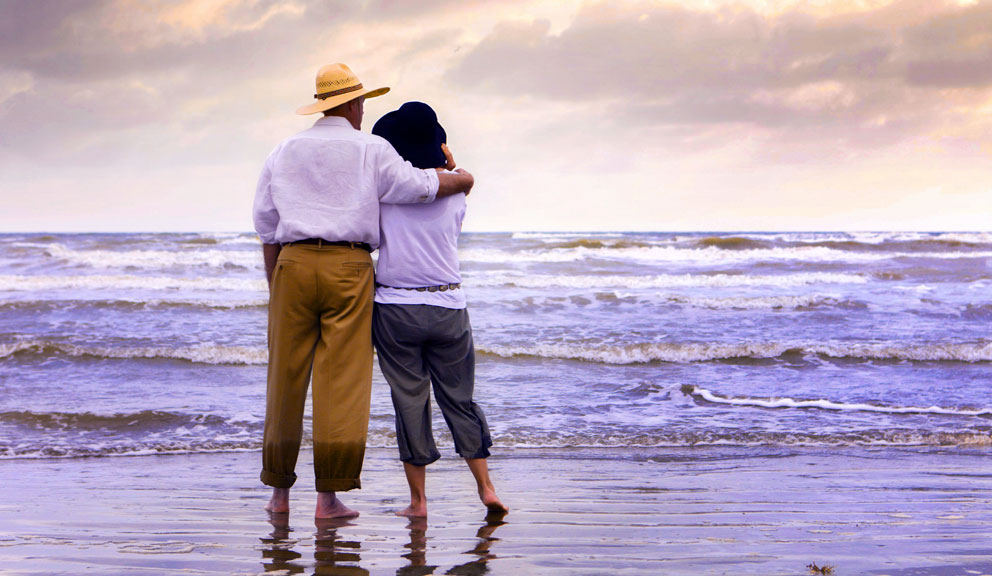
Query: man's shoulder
{"points": [[315, 134], [379, 140]]}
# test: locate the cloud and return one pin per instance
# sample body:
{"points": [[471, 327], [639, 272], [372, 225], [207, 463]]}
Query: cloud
{"points": [[12, 84], [873, 77], [106, 74], [624, 106], [87, 75], [952, 50]]}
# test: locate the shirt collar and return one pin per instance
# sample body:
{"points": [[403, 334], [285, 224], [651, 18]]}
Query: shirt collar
{"points": [[333, 121]]}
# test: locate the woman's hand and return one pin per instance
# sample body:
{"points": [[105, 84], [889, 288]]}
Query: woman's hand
{"points": [[449, 159]]}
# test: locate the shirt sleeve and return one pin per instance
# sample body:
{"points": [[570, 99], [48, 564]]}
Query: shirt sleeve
{"points": [[401, 183], [264, 212]]}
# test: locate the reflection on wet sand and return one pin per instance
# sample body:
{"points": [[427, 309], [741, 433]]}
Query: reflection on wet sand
{"points": [[336, 556], [277, 549], [418, 549], [482, 551], [333, 555]]}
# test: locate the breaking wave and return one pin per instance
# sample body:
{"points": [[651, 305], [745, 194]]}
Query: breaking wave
{"points": [[908, 243], [686, 352], [717, 251], [200, 354], [600, 244], [744, 438], [613, 298], [490, 279], [127, 304], [151, 432], [72, 435], [733, 243], [157, 259], [125, 282], [807, 301], [639, 353], [822, 404]]}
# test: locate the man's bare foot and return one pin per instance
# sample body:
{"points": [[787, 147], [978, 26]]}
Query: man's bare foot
{"points": [[414, 511], [329, 506], [279, 503]]}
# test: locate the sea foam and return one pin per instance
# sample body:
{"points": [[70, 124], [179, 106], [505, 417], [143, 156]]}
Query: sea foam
{"points": [[494, 279], [709, 255], [128, 282], [824, 404], [192, 256], [206, 353], [687, 352], [635, 353]]}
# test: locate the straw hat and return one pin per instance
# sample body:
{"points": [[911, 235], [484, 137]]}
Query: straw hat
{"points": [[337, 84]]}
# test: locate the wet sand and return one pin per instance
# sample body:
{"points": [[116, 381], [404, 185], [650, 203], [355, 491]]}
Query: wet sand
{"points": [[905, 512]]}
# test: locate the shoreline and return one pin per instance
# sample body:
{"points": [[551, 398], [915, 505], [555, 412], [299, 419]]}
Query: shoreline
{"points": [[895, 511]]}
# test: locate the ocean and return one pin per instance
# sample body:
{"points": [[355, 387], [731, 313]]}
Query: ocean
{"points": [[144, 344]]}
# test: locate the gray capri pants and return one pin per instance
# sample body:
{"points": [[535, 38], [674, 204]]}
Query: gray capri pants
{"points": [[418, 345]]}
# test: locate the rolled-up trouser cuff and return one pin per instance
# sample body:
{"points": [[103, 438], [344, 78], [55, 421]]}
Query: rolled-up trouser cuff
{"points": [[277, 480], [337, 484], [483, 453], [421, 461]]}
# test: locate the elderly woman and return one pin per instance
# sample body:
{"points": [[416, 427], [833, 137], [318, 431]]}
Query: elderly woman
{"points": [[420, 325]]}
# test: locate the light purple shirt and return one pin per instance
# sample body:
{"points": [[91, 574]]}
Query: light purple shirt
{"points": [[328, 181], [420, 248]]}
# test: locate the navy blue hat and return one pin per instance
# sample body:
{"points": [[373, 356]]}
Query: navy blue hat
{"points": [[415, 133]]}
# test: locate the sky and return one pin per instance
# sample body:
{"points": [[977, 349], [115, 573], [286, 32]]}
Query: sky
{"points": [[126, 115]]}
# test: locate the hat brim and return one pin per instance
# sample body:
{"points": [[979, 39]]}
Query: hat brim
{"points": [[328, 103]]}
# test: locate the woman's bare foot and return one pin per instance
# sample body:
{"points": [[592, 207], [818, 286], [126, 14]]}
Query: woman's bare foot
{"points": [[487, 493], [416, 477], [279, 503], [329, 506], [492, 502], [414, 510]]}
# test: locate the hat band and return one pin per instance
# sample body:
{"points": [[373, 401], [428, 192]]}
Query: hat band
{"points": [[324, 95]]}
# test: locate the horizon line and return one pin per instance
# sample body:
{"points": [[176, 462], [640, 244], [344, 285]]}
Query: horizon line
{"points": [[555, 231]]}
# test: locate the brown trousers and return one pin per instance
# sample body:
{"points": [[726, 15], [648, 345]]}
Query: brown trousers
{"points": [[320, 314]]}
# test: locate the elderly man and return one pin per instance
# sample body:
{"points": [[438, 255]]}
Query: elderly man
{"points": [[317, 213]]}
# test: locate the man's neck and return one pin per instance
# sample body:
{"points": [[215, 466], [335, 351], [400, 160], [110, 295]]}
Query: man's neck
{"points": [[356, 125]]}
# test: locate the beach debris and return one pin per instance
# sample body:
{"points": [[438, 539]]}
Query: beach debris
{"points": [[825, 569]]}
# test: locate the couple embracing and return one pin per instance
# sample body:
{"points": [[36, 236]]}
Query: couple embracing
{"points": [[327, 197]]}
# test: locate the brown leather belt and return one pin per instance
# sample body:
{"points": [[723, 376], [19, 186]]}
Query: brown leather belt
{"points": [[441, 288], [319, 242]]}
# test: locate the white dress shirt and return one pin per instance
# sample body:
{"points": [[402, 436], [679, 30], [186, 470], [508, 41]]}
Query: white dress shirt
{"points": [[327, 182], [420, 248]]}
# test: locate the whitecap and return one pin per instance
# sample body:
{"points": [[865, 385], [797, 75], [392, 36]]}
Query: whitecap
{"points": [[127, 282], [206, 353], [687, 352], [493, 279], [157, 259], [824, 404]]}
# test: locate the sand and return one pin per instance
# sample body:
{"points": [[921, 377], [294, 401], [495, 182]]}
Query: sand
{"points": [[658, 511]]}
